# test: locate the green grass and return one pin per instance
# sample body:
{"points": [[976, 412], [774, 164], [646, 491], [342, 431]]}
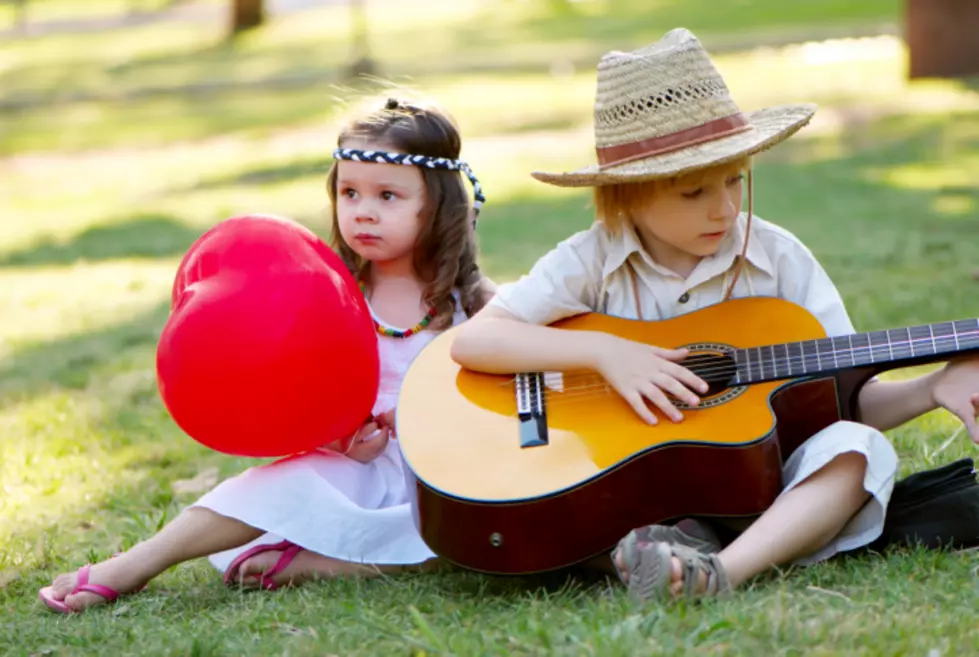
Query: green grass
{"points": [[101, 200]]}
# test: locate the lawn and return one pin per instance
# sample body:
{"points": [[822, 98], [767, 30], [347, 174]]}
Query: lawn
{"points": [[102, 198]]}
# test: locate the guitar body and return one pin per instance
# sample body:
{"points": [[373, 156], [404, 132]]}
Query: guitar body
{"points": [[487, 502]]}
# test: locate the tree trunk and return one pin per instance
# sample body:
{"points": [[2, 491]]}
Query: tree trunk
{"points": [[246, 15], [941, 37]]}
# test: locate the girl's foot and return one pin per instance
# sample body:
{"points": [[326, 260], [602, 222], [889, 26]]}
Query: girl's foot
{"points": [[286, 564], [269, 568], [120, 574]]}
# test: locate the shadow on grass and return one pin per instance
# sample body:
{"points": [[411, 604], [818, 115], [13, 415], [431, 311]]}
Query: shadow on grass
{"points": [[140, 236], [267, 175]]}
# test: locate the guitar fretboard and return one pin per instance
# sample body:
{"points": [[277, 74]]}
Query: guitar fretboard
{"points": [[895, 346]]}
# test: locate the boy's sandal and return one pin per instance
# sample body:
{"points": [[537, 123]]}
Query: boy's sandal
{"points": [[688, 532], [289, 552], [650, 565]]}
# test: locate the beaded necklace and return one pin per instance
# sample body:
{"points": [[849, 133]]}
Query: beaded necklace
{"points": [[394, 333]]}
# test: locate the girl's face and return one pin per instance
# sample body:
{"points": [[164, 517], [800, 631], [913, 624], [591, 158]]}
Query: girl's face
{"points": [[379, 207], [685, 220]]}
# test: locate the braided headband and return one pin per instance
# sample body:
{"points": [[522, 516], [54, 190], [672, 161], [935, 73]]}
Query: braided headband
{"points": [[381, 157]]}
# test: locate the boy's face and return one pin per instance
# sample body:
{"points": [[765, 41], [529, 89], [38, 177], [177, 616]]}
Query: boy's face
{"points": [[684, 220]]}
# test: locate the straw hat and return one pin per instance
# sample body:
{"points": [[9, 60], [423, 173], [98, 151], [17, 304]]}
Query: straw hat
{"points": [[664, 110]]}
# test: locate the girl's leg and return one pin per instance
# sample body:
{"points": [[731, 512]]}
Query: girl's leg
{"points": [[196, 532], [800, 522], [310, 565]]}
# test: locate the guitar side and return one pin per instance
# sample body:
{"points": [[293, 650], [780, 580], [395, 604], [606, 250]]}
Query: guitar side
{"points": [[485, 502]]}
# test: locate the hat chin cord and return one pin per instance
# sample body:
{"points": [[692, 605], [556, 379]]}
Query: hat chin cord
{"points": [[739, 265]]}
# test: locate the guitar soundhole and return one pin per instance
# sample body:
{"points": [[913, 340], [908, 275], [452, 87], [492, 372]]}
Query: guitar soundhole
{"points": [[713, 363]]}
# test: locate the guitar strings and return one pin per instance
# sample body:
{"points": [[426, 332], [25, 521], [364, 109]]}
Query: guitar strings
{"points": [[789, 361], [720, 363], [724, 364], [727, 369]]}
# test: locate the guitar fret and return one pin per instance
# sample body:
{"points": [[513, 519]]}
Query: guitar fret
{"points": [[944, 332], [820, 353], [793, 359], [922, 341], [904, 346], [862, 353], [842, 353], [970, 331], [796, 362], [880, 346]]}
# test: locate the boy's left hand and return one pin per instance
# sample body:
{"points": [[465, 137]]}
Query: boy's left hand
{"points": [[957, 389]]}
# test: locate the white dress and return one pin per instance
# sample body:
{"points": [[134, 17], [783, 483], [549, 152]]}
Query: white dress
{"points": [[331, 504]]}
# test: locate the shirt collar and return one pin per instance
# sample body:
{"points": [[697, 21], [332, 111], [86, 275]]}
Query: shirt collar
{"points": [[627, 243]]}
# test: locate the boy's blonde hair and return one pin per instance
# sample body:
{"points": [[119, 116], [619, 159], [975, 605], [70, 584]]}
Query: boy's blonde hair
{"points": [[614, 203]]}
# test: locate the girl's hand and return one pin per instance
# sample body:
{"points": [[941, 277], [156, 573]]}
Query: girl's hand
{"points": [[640, 371], [369, 441], [957, 389], [386, 419]]}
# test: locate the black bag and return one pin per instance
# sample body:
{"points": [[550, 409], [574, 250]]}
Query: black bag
{"points": [[936, 508]]}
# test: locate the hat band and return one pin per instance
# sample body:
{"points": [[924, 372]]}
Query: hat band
{"points": [[609, 156]]}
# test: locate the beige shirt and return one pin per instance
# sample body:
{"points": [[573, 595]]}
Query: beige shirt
{"points": [[587, 273]]}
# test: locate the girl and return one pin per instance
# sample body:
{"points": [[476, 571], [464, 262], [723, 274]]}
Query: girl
{"points": [[407, 233], [673, 149]]}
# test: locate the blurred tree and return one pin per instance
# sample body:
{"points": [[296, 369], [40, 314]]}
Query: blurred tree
{"points": [[20, 15], [361, 61], [246, 15]]}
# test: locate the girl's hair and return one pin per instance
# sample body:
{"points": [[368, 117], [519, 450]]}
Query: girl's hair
{"points": [[614, 203], [445, 254]]}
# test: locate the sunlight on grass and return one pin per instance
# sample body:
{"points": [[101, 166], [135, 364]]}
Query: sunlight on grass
{"points": [[43, 304], [956, 205], [933, 175], [55, 459]]}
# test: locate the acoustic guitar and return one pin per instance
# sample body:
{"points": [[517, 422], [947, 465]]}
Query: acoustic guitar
{"points": [[537, 471]]}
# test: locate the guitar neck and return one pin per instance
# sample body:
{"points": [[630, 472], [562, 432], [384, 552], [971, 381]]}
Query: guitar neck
{"points": [[916, 345]]}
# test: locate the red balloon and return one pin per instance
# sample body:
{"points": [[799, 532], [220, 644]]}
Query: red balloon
{"points": [[270, 348]]}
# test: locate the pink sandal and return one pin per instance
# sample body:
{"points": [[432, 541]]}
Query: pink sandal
{"points": [[289, 552], [111, 595], [47, 594]]}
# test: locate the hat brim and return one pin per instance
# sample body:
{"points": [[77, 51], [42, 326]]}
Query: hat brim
{"points": [[769, 126]]}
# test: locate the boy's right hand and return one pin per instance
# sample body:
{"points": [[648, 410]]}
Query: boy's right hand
{"points": [[640, 371]]}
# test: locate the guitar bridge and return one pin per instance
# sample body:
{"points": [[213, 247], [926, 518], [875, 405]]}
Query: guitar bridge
{"points": [[531, 409]]}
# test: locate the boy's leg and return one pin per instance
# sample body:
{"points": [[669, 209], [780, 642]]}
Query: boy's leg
{"points": [[800, 522], [196, 532]]}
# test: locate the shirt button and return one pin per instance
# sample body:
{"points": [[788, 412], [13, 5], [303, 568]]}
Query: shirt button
{"points": [[685, 297]]}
